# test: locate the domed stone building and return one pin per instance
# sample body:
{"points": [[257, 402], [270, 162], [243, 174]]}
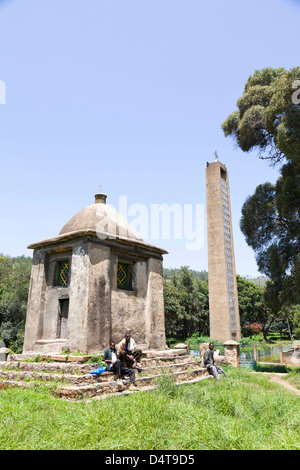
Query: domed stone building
{"points": [[93, 282]]}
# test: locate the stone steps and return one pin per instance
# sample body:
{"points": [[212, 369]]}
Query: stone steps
{"points": [[73, 381], [152, 387], [105, 387], [44, 377], [160, 360], [73, 374], [53, 367], [26, 375], [109, 387]]}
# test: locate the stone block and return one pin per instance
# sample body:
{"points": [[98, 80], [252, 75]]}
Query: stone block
{"points": [[78, 358]]}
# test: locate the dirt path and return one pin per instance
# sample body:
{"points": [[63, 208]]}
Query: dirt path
{"points": [[276, 378]]}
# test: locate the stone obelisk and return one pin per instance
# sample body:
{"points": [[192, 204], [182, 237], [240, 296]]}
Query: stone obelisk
{"points": [[224, 315]]}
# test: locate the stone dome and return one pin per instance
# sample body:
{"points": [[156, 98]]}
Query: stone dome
{"points": [[102, 219]]}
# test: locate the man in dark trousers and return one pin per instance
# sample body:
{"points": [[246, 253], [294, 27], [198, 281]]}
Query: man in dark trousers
{"points": [[128, 354], [113, 364], [210, 364]]}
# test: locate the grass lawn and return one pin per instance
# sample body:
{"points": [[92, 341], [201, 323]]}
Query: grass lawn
{"points": [[244, 411], [291, 373]]}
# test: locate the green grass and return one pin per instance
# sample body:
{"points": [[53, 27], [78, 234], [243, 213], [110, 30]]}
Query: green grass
{"points": [[292, 373], [293, 377], [244, 411]]}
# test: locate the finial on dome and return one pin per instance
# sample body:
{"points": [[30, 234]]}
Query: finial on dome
{"points": [[100, 198]]}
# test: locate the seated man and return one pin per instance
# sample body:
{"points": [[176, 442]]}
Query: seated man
{"points": [[113, 364], [209, 362], [127, 352]]}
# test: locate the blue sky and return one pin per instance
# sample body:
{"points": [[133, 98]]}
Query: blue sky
{"points": [[130, 95]]}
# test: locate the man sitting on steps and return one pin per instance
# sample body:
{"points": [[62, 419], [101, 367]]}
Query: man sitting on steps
{"points": [[113, 364], [127, 352], [209, 362]]}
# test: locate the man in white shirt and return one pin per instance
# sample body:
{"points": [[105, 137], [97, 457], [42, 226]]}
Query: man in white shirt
{"points": [[114, 365], [127, 352]]}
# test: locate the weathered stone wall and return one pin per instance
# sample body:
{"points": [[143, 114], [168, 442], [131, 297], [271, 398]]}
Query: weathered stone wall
{"points": [[4, 352], [78, 295], [128, 307], [291, 357], [232, 353], [36, 300], [41, 333], [140, 311], [52, 294], [99, 299], [98, 310], [155, 319]]}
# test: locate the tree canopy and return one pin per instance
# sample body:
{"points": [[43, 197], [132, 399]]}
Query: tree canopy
{"points": [[14, 285], [186, 303], [271, 224], [268, 119], [268, 115]]}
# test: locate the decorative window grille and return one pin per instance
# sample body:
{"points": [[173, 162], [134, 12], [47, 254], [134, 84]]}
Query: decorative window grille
{"points": [[124, 276], [63, 273]]}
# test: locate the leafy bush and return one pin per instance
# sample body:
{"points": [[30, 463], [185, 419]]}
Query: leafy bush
{"points": [[14, 284]]}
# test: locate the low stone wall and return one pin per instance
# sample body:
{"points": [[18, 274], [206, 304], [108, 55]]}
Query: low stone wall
{"points": [[291, 357], [4, 352], [232, 353]]}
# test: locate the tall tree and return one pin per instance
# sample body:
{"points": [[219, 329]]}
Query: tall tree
{"points": [[268, 119], [268, 115], [271, 224], [251, 301], [174, 310], [186, 303]]}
